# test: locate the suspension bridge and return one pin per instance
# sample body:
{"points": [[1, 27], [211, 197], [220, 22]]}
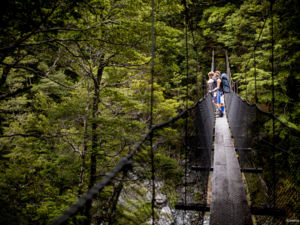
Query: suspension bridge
{"points": [[226, 155], [231, 164]]}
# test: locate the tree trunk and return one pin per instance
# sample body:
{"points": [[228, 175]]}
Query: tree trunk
{"points": [[95, 142], [5, 73], [82, 167], [115, 199]]}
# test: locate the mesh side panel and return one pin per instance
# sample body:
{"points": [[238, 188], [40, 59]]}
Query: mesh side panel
{"points": [[198, 146], [204, 124], [278, 184]]}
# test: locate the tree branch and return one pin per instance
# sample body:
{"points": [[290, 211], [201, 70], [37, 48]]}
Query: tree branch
{"points": [[75, 149], [41, 74], [14, 93], [74, 40]]}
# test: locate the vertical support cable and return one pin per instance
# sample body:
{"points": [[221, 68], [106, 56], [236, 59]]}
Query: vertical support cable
{"points": [[273, 104], [272, 62], [246, 86], [186, 104], [254, 49], [213, 60], [151, 113], [228, 68], [255, 86], [254, 56], [186, 55], [202, 86], [212, 69]]}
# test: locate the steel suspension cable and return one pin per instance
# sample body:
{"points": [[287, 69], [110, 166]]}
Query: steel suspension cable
{"points": [[186, 55], [255, 46], [254, 49], [151, 112], [255, 86], [256, 42], [186, 104], [228, 68], [213, 60], [202, 86], [273, 104]]}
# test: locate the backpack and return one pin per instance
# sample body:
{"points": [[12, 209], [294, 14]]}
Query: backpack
{"points": [[214, 85], [225, 86]]}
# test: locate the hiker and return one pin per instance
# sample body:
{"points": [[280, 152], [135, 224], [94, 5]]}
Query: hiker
{"points": [[220, 98], [225, 86], [210, 82]]}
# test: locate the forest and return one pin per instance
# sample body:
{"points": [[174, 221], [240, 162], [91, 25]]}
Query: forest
{"points": [[76, 93]]}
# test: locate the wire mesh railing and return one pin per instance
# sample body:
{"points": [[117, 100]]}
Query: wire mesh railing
{"points": [[273, 176]]}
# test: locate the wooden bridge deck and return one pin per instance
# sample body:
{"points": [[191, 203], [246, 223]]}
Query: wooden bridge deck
{"points": [[229, 203]]}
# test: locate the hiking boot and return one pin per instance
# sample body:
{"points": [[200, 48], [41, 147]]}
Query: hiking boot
{"points": [[221, 113]]}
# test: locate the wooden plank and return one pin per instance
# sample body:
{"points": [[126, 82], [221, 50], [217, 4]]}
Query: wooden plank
{"points": [[200, 168], [229, 202], [267, 211], [263, 211], [243, 149], [244, 170], [204, 148], [251, 170], [192, 207]]}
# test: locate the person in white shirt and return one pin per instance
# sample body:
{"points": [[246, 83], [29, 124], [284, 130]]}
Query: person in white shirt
{"points": [[210, 81]]}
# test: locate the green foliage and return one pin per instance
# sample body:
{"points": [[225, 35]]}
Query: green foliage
{"points": [[74, 90], [140, 215], [167, 169]]}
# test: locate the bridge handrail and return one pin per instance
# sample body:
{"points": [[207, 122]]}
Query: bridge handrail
{"points": [[293, 130]]}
